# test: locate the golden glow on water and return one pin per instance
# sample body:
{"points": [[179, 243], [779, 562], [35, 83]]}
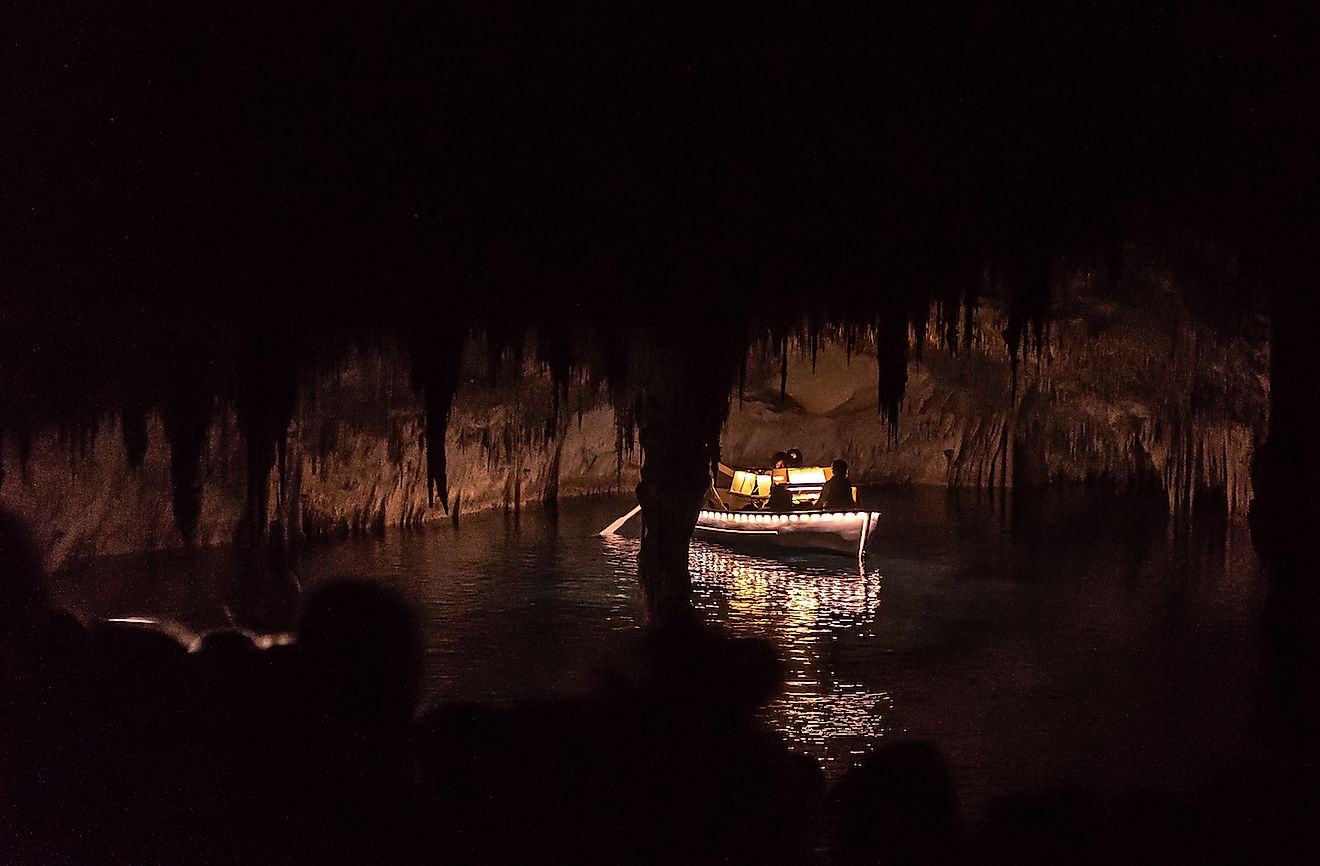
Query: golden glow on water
{"points": [[808, 607]]}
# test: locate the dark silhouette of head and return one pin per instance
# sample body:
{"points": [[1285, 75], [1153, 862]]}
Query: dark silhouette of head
{"points": [[1057, 824], [840, 468], [226, 643], [897, 807], [794, 458], [140, 654], [223, 666], [360, 644], [780, 459], [705, 669]]}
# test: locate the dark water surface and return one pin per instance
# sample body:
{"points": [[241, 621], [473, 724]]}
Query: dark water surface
{"points": [[1067, 637]]}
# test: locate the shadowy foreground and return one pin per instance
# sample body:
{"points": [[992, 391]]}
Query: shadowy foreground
{"points": [[118, 744]]}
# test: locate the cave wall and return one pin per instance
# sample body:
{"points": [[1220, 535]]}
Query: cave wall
{"points": [[353, 462], [1123, 393], [1128, 387]]}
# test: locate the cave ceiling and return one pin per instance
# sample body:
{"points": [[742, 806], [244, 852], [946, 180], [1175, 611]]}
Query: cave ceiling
{"points": [[202, 204]]}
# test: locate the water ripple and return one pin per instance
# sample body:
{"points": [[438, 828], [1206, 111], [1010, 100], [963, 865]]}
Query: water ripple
{"points": [[801, 604]]}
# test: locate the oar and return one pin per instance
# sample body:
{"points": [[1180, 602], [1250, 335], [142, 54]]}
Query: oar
{"points": [[614, 527]]}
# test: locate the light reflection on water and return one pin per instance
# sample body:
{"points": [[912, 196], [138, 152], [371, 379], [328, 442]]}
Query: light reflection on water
{"points": [[802, 603], [1068, 639], [799, 603]]}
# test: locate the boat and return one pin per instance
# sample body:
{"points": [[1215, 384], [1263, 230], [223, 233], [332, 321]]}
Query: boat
{"points": [[737, 512]]}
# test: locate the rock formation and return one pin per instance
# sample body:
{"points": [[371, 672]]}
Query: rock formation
{"points": [[351, 459]]}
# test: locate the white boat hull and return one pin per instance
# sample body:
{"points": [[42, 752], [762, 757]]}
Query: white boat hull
{"points": [[846, 532]]}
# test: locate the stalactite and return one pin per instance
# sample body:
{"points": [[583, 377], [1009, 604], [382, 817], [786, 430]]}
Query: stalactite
{"points": [[87, 429], [783, 366], [971, 301], [282, 463], [550, 493], [436, 367], [625, 425], [553, 350], [187, 418], [919, 313], [65, 440], [517, 487], [618, 453], [1003, 455], [133, 431], [742, 374], [1029, 281], [948, 310], [503, 338], [1183, 438], [223, 418], [1091, 451], [24, 452], [891, 357], [1012, 377], [265, 409]]}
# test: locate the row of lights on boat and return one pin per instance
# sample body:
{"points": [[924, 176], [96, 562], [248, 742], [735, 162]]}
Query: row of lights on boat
{"points": [[753, 517]]}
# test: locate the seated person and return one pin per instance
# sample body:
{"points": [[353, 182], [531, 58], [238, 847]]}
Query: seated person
{"points": [[780, 498], [836, 495]]}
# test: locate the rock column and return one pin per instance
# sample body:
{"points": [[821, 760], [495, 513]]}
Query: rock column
{"points": [[682, 404], [1285, 514]]}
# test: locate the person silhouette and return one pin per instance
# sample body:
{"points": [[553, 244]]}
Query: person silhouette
{"points": [[837, 493]]}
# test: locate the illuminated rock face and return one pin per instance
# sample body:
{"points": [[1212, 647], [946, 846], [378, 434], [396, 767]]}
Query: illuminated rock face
{"points": [[1126, 393], [353, 462], [1123, 395]]}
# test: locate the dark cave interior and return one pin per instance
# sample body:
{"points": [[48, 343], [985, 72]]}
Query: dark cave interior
{"points": [[214, 207], [207, 208]]}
